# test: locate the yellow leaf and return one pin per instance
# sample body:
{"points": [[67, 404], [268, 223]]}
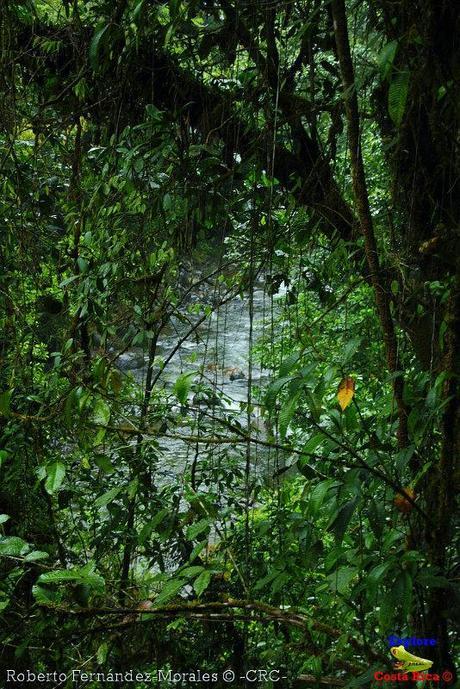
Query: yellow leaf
{"points": [[345, 392]]}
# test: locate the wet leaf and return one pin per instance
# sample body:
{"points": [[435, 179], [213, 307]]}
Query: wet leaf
{"points": [[13, 546]]}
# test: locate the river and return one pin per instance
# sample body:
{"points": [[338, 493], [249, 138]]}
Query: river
{"points": [[219, 354]]}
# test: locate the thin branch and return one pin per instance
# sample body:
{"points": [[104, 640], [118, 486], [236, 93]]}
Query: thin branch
{"points": [[193, 609]]}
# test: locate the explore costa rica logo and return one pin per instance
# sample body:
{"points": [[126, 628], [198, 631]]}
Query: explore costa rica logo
{"points": [[410, 667]]}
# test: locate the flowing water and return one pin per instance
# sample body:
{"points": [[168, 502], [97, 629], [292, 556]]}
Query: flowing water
{"points": [[218, 352]]}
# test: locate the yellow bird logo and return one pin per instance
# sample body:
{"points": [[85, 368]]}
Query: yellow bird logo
{"points": [[408, 662]]}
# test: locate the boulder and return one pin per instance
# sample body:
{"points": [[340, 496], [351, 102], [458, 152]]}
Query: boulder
{"points": [[234, 373]]}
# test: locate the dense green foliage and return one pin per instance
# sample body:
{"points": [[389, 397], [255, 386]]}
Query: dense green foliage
{"points": [[194, 254]]}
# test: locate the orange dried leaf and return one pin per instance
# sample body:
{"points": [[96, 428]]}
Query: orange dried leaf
{"points": [[401, 503], [345, 392]]}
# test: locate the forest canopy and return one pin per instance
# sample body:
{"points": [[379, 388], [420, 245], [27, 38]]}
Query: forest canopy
{"points": [[229, 340]]}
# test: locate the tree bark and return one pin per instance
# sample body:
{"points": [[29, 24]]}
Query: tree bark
{"points": [[441, 492]]}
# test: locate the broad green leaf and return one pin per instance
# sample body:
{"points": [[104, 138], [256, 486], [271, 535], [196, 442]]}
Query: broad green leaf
{"points": [[36, 555], [280, 581], [377, 573], [386, 58], [13, 546], [169, 591], [115, 380], [340, 522], [153, 112], [402, 459], [45, 595], [376, 515], [105, 498], [82, 265], [3, 518], [397, 96], [267, 579], [158, 518], [202, 582], [288, 364], [341, 579], [182, 387], [60, 576], [314, 442], [273, 390], [167, 202], [169, 34], [100, 417], [174, 6], [304, 466], [96, 45], [132, 488], [318, 494], [197, 550], [314, 405], [195, 530], [286, 414], [192, 571], [55, 473], [101, 412], [102, 652], [81, 575], [104, 464]]}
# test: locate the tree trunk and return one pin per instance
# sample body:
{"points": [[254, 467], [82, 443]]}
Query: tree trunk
{"points": [[365, 217]]}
